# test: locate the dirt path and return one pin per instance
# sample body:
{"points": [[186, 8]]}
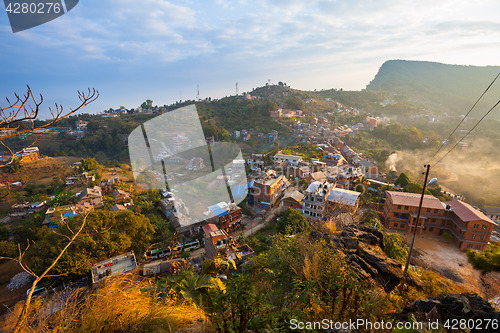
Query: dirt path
{"points": [[445, 258]]}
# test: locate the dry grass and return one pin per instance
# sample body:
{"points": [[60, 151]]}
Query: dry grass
{"points": [[123, 304]]}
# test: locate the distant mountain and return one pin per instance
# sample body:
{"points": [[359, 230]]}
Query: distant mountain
{"points": [[440, 88]]}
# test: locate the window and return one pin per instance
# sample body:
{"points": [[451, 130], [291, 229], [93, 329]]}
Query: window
{"points": [[473, 237], [484, 227], [435, 211], [469, 246], [431, 229], [481, 237], [406, 207], [433, 220], [399, 206], [396, 225], [476, 226], [428, 210], [478, 247]]}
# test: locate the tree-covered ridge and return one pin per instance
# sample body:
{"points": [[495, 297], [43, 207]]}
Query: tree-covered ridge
{"points": [[445, 88]]}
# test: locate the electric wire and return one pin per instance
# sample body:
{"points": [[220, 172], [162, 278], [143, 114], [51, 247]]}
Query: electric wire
{"points": [[463, 119], [480, 120]]}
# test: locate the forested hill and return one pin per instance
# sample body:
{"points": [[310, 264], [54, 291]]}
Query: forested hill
{"points": [[442, 88]]}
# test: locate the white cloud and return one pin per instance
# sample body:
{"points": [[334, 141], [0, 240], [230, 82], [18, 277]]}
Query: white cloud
{"points": [[309, 42]]}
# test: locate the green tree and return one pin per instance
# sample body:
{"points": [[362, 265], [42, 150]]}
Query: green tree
{"points": [[488, 260], [148, 104], [105, 234], [395, 247], [8, 249], [291, 222], [232, 309], [89, 164], [14, 167], [402, 180], [294, 103]]}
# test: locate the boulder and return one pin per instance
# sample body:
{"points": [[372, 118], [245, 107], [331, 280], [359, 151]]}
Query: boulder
{"points": [[459, 306], [389, 270]]}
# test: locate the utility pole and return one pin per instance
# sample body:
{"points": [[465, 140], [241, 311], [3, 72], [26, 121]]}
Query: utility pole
{"points": [[415, 228]]}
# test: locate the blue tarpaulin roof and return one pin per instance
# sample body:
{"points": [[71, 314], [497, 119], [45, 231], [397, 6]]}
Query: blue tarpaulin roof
{"points": [[68, 214], [331, 155], [218, 210]]}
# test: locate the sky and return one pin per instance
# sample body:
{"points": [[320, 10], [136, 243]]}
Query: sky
{"points": [[134, 50]]}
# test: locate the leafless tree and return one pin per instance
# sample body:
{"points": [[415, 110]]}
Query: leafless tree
{"points": [[343, 213], [20, 259], [26, 108]]}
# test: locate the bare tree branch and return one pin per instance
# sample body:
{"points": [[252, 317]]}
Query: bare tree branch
{"points": [[11, 114], [24, 311], [27, 109]]}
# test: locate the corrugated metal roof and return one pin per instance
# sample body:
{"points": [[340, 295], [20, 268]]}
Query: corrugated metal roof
{"points": [[345, 197]]}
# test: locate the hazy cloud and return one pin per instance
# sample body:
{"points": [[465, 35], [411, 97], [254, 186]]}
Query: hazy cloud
{"points": [[255, 39]]}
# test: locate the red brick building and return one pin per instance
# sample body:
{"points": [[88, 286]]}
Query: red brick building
{"points": [[469, 227], [227, 216]]}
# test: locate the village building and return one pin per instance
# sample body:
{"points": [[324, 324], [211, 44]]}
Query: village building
{"points": [[314, 203], [218, 242], [318, 176], [293, 200], [226, 216], [123, 198], [266, 190], [112, 266], [56, 215], [92, 196], [334, 160], [298, 172], [342, 198], [468, 227], [117, 207], [290, 159], [493, 213], [195, 164], [28, 154]]}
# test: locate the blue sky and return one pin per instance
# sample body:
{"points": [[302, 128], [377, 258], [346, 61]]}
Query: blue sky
{"points": [[131, 50]]}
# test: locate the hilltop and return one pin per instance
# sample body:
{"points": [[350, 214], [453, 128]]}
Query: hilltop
{"points": [[442, 88]]}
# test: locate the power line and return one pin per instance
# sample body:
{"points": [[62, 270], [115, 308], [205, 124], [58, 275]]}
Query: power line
{"points": [[456, 144], [472, 108]]}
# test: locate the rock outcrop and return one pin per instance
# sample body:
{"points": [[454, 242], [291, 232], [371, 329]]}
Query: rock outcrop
{"points": [[453, 308], [363, 248]]}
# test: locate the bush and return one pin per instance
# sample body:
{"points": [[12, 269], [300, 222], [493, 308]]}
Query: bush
{"points": [[447, 236], [291, 222], [395, 247], [487, 261]]}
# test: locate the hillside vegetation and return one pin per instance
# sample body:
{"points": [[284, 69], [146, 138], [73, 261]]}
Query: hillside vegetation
{"points": [[440, 87]]}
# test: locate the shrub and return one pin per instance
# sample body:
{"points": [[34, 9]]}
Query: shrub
{"points": [[447, 236], [395, 247]]}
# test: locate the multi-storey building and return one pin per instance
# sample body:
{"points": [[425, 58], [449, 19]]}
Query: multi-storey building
{"points": [[469, 227], [493, 213], [226, 216], [266, 191], [314, 203], [29, 154], [218, 242], [290, 159]]}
